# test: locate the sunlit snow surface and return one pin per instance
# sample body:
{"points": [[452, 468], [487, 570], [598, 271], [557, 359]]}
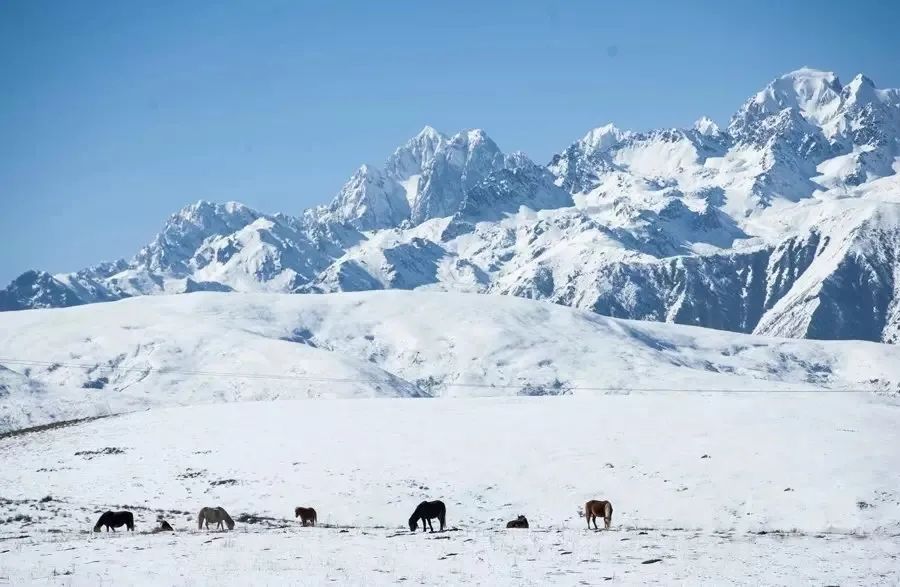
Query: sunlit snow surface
{"points": [[723, 488], [159, 351]]}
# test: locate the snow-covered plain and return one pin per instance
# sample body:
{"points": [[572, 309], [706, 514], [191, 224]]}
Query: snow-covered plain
{"points": [[749, 488], [205, 347]]}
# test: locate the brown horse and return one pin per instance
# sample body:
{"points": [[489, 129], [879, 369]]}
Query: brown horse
{"points": [[306, 515], [598, 509]]}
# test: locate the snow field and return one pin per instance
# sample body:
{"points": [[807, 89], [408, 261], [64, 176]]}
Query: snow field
{"points": [[701, 474]]}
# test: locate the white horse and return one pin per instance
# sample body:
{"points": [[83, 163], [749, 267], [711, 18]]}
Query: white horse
{"points": [[216, 515]]}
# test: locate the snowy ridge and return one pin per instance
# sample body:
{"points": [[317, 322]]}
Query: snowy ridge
{"points": [[138, 353], [780, 224]]}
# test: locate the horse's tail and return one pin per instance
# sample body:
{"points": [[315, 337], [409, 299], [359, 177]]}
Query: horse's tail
{"points": [[200, 519], [227, 518]]}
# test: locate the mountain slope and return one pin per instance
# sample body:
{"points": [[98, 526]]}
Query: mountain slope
{"points": [[209, 347]]}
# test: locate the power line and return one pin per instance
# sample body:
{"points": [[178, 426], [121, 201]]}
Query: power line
{"points": [[323, 379]]}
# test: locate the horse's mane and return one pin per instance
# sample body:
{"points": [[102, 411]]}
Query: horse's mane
{"points": [[200, 518]]}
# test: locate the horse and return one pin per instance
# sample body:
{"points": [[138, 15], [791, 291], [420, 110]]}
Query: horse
{"points": [[216, 515], [427, 511], [164, 526], [598, 509], [306, 515], [520, 522], [113, 520]]}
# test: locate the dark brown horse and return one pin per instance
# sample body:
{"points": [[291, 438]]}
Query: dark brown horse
{"points": [[306, 515], [520, 522], [113, 520], [598, 509], [427, 511]]}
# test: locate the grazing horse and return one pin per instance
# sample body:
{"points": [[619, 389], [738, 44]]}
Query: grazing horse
{"points": [[598, 509], [520, 522], [427, 511], [113, 520], [306, 515], [216, 515]]}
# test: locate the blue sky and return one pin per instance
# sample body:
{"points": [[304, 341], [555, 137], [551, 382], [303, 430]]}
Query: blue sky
{"points": [[115, 114]]}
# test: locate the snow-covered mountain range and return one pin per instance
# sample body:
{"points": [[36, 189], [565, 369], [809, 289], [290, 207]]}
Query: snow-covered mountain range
{"points": [[785, 223]]}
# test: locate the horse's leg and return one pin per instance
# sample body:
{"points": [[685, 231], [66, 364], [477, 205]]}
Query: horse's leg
{"points": [[430, 527]]}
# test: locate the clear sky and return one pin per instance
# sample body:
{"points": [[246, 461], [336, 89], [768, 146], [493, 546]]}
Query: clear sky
{"points": [[114, 114]]}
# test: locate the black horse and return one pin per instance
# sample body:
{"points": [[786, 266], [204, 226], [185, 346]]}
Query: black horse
{"points": [[520, 522], [427, 511], [113, 520]]}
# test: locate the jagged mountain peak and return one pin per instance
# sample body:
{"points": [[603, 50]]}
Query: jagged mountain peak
{"points": [[471, 140], [185, 231], [814, 92], [424, 178], [821, 99], [603, 137], [429, 133], [37, 289], [202, 209], [860, 91], [861, 79], [518, 160], [413, 156], [457, 166], [706, 127], [371, 199]]}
